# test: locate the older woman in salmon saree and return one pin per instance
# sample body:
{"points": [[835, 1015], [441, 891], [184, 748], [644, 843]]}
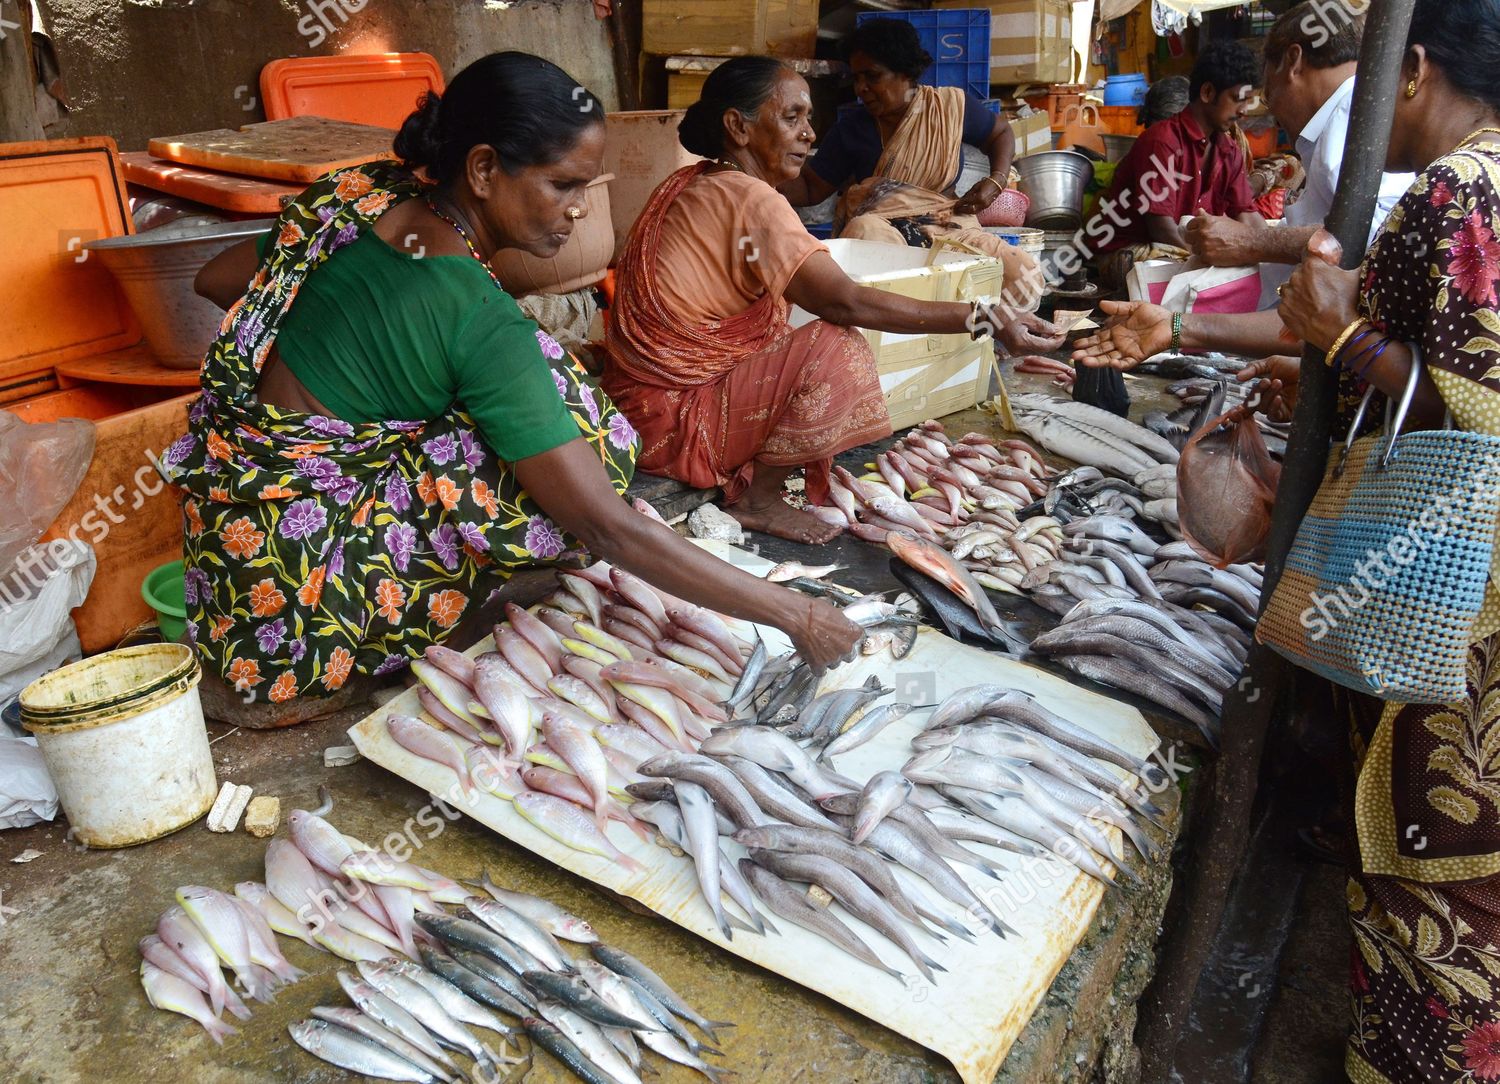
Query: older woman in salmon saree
{"points": [[700, 354], [715, 396]]}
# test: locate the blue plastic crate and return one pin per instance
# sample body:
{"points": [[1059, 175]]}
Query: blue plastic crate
{"points": [[958, 40]]}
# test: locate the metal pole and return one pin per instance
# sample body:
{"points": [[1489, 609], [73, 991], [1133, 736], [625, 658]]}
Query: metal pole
{"points": [[1248, 707]]}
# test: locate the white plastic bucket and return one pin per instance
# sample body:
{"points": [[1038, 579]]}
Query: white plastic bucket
{"points": [[123, 737]]}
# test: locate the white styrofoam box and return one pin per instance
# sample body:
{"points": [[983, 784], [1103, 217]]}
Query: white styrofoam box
{"points": [[925, 375]]}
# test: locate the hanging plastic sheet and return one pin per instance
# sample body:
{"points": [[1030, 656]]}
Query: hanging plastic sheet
{"points": [[1171, 16]]}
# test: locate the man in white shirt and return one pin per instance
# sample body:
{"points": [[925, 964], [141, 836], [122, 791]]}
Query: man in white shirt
{"points": [[1310, 58]]}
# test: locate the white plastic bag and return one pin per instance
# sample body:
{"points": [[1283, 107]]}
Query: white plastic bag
{"points": [[37, 597], [40, 467], [27, 795]]}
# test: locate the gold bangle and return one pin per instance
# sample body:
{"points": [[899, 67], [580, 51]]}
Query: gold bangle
{"points": [[1343, 340]]}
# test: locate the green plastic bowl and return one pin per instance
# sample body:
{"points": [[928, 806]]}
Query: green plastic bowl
{"points": [[163, 590]]}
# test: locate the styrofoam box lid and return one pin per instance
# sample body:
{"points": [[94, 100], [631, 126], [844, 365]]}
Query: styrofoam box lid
{"points": [[871, 262]]}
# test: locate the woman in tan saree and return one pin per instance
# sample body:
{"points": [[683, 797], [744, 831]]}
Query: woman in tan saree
{"points": [[897, 159], [700, 355]]}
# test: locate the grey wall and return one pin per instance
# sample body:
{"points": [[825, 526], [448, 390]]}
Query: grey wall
{"points": [[135, 69]]}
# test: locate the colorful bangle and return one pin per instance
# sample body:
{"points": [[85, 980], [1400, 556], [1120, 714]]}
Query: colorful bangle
{"points": [[1177, 331], [1337, 360], [1362, 371], [1343, 340]]}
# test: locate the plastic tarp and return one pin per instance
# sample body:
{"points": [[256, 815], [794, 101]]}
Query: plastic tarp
{"points": [[1170, 16]]}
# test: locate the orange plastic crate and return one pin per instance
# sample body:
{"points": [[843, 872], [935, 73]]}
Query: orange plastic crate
{"points": [[379, 88], [59, 303]]}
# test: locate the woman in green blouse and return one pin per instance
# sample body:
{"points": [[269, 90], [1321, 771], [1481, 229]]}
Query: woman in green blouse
{"points": [[383, 437]]}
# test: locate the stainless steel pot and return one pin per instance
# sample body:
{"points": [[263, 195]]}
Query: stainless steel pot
{"points": [[156, 269], [1055, 182]]}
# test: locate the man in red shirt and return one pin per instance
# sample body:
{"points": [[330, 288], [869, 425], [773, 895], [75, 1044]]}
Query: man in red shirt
{"points": [[1187, 165]]}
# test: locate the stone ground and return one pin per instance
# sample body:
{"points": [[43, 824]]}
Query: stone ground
{"points": [[71, 1007], [1303, 1040]]}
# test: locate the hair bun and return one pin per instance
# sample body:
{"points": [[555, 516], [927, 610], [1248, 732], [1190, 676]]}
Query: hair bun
{"points": [[419, 143], [701, 132]]}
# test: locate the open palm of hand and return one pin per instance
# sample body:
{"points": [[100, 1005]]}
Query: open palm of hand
{"points": [[1137, 331]]}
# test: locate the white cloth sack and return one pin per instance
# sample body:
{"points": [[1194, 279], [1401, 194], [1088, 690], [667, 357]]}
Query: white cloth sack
{"points": [[27, 795], [36, 613]]}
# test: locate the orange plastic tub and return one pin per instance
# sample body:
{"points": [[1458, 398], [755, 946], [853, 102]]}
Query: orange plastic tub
{"points": [[59, 302], [226, 191], [380, 88]]}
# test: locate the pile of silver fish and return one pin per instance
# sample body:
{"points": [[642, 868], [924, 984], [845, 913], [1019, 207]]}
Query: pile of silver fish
{"points": [[994, 765], [802, 824], [425, 976], [502, 952], [1164, 625], [1090, 436]]}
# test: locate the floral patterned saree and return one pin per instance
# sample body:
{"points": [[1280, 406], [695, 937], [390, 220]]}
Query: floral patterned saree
{"points": [[317, 547]]}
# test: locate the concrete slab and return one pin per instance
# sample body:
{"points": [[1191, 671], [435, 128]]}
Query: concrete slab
{"points": [[71, 1007]]}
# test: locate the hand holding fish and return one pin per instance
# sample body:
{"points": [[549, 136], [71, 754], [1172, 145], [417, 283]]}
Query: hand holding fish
{"points": [[823, 636], [1322, 299], [1136, 331]]}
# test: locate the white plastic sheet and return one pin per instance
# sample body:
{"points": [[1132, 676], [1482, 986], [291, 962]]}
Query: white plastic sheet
{"points": [[980, 1005], [27, 795], [37, 597]]}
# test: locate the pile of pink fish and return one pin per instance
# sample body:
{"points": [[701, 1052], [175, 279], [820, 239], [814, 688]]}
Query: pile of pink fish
{"points": [[322, 888], [927, 484], [606, 673]]}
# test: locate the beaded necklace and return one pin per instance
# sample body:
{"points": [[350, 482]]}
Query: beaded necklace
{"points": [[433, 207]]}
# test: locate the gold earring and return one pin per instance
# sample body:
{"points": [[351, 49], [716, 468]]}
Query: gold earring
{"points": [[1411, 89]]}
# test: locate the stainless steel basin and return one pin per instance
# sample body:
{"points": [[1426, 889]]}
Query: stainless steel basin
{"points": [[1055, 182], [155, 269]]}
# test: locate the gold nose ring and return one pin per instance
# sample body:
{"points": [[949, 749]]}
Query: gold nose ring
{"points": [[575, 213]]}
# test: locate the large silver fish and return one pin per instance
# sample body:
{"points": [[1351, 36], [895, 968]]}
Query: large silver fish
{"points": [[354, 1052]]}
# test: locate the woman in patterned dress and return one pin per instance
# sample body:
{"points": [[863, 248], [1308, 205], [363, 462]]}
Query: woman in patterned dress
{"points": [[366, 465], [1424, 888]]}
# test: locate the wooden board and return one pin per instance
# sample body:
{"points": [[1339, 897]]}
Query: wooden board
{"points": [[980, 1005], [299, 149], [226, 191]]}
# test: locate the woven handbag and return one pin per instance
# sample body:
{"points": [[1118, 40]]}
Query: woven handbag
{"points": [[1389, 568]]}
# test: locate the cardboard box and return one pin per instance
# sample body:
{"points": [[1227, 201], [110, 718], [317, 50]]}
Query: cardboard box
{"points": [[1031, 41], [1033, 132], [923, 376], [786, 28]]}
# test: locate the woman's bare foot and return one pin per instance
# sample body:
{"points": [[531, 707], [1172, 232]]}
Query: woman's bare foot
{"points": [[781, 520]]}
